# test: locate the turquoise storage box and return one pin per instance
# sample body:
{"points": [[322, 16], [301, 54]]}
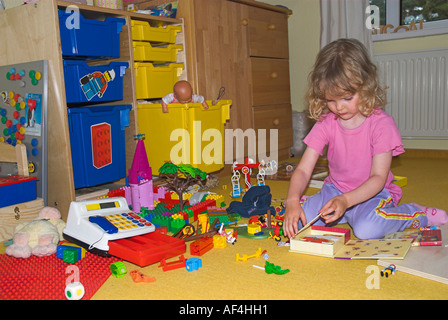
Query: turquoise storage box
{"points": [[84, 83], [97, 138], [86, 38]]}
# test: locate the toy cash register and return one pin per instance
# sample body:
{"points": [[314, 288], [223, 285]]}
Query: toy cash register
{"points": [[92, 223]]}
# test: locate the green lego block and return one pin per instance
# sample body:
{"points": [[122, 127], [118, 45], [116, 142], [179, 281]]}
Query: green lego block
{"points": [[70, 255], [176, 225]]}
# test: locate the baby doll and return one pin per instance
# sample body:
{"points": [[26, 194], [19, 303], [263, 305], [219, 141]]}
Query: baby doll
{"points": [[182, 93]]}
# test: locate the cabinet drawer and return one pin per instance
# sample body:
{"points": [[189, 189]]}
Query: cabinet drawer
{"points": [[278, 117], [270, 81], [268, 33]]}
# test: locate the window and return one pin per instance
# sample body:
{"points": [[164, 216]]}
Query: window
{"points": [[411, 18]]}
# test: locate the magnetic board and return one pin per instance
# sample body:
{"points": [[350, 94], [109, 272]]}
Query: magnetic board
{"points": [[23, 116]]}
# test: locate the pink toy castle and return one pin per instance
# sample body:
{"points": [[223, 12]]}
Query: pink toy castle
{"points": [[140, 191]]}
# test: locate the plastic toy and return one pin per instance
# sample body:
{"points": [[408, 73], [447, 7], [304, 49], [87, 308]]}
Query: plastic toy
{"points": [[219, 241], [38, 237], [74, 291], [246, 169], [271, 268], [93, 223], [137, 276], [180, 177], [140, 179], [45, 278], [201, 246], [388, 271], [211, 233], [147, 249], [167, 266], [193, 264], [229, 235], [118, 269], [182, 93], [244, 257], [70, 253], [278, 231], [253, 228]]}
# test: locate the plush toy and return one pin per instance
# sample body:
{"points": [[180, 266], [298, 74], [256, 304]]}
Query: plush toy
{"points": [[38, 237]]}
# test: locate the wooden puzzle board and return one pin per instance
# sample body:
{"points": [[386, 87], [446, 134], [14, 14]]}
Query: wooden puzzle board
{"points": [[426, 262], [374, 249]]}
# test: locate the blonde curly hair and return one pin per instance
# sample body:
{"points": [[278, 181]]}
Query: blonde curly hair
{"points": [[343, 67]]}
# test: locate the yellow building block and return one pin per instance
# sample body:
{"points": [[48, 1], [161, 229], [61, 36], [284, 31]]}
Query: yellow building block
{"points": [[219, 241], [253, 228], [400, 181]]}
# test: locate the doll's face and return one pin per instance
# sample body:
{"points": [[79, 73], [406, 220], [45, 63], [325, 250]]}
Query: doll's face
{"points": [[183, 92]]}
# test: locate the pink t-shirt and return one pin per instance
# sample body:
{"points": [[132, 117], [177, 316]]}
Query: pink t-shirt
{"points": [[350, 151]]}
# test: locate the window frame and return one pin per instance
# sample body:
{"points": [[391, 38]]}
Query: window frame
{"points": [[393, 17]]}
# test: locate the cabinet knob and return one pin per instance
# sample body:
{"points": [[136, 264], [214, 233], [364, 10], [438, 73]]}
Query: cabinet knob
{"points": [[276, 122], [274, 75], [271, 26], [244, 22]]}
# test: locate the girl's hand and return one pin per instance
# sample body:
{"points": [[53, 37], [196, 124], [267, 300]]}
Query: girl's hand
{"points": [[334, 209], [291, 221]]}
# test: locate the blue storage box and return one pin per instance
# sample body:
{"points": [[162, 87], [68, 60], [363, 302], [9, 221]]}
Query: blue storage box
{"points": [[17, 189], [84, 83], [97, 138], [89, 38]]}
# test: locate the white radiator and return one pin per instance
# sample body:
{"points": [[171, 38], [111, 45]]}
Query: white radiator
{"points": [[417, 94]]}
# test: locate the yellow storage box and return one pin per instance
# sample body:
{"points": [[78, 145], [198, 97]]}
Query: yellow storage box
{"points": [[187, 134], [144, 51], [154, 82], [142, 31]]}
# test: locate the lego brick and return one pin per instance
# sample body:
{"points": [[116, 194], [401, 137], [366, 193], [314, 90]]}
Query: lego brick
{"points": [[44, 278], [201, 246], [147, 249]]}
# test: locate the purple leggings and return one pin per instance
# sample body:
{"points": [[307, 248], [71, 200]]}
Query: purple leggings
{"points": [[371, 219]]}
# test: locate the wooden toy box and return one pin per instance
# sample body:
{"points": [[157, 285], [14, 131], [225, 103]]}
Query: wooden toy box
{"points": [[322, 241], [335, 243], [12, 215]]}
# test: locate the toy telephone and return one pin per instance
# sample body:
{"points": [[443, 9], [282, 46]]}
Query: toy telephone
{"points": [[93, 223]]}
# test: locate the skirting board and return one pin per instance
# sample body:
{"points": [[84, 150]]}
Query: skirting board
{"points": [[427, 262]]}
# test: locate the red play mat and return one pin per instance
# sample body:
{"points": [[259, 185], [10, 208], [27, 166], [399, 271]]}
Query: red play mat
{"points": [[44, 278]]}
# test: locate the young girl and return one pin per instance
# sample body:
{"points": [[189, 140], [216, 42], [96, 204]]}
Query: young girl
{"points": [[346, 100]]}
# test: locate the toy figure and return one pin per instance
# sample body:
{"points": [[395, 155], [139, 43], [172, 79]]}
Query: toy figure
{"points": [[182, 93], [95, 84]]}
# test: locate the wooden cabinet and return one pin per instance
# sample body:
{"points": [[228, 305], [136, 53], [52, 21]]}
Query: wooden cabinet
{"points": [[32, 33], [243, 47]]}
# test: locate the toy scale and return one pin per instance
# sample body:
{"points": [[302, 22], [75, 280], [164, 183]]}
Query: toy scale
{"points": [[93, 223]]}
